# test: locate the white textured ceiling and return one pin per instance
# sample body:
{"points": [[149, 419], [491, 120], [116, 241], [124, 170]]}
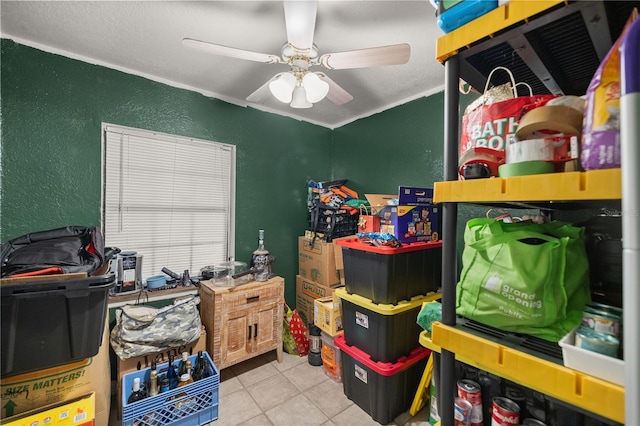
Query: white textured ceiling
{"points": [[145, 38]]}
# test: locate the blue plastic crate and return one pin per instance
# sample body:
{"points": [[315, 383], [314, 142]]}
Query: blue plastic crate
{"points": [[193, 404]]}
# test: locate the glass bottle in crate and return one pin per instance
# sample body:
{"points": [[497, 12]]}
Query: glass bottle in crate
{"points": [[136, 393], [185, 379], [172, 375], [163, 384], [188, 405], [200, 370], [153, 379], [183, 364]]}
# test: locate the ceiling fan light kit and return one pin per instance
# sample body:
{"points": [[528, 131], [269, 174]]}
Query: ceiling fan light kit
{"points": [[300, 98], [282, 87], [301, 88], [316, 88]]}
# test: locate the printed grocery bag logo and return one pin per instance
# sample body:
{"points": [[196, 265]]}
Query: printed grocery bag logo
{"points": [[492, 134], [511, 300], [493, 284]]}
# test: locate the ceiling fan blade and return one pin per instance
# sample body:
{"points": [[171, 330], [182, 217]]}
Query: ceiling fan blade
{"points": [[263, 91], [300, 19], [336, 94], [394, 54], [231, 52]]}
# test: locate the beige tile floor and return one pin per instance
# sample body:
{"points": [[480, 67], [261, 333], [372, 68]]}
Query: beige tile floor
{"points": [[263, 392]]}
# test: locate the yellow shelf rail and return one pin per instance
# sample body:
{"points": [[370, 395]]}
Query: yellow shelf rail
{"points": [[603, 184], [576, 388]]}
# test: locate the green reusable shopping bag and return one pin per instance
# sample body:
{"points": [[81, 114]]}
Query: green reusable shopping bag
{"points": [[524, 277]]}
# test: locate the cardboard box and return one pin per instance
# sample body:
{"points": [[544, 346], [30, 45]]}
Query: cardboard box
{"points": [[379, 202], [42, 388], [415, 218], [77, 412], [141, 362], [327, 314], [307, 292], [317, 263]]}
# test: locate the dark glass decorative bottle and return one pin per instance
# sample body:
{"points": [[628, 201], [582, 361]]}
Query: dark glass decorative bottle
{"points": [[171, 374], [200, 370]]}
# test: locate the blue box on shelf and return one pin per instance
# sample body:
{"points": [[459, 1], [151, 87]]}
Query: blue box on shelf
{"points": [[453, 14], [193, 404]]}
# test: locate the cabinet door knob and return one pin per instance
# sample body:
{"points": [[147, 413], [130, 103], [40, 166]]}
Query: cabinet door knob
{"points": [[255, 330], [249, 336]]}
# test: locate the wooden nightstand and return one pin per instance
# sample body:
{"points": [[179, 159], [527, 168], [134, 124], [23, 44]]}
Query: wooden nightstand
{"points": [[244, 321]]}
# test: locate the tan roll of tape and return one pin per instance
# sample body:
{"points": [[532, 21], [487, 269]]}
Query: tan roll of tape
{"points": [[550, 119]]}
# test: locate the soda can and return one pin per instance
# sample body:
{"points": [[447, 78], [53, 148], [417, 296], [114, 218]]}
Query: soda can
{"points": [[462, 411], [471, 391], [504, 412]]}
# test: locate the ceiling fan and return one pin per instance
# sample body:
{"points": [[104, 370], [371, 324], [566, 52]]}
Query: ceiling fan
{"points": [[300, 87]]}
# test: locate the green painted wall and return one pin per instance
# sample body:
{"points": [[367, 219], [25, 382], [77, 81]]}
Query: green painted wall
{"points": [[52, 110], [400, 146]]}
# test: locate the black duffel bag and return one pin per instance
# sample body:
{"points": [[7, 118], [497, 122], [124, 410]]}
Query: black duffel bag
{"points": [[57, 251]]}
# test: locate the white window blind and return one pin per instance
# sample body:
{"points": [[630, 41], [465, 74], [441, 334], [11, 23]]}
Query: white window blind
{"points": [[169, 198]]}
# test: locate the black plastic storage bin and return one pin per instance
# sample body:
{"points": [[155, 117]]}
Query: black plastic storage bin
{"points": [[389, 275], [53, 322], [383, 390], [385, 332]]}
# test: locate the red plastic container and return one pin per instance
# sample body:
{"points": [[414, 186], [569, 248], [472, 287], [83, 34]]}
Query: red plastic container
{"points": [[389, 275], [383, 389]]}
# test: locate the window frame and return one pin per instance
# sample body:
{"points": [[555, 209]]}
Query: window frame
{"points": [[107, 128]]}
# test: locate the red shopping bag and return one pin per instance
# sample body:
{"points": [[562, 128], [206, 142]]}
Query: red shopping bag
{"points": [[368, 222], [489, 126]]}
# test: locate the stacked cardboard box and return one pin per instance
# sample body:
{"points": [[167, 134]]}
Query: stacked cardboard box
{"points": [[317, 274], [327, 315], [80, 411]]}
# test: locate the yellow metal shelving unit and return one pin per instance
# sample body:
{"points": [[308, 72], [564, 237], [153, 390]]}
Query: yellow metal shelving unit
{"points": [[515, 31], [486, 25]]}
